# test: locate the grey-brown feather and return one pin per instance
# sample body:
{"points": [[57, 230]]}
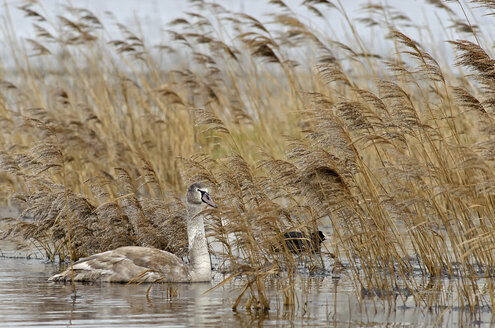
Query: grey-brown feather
{"points": [[128, 263], [146, 264]]}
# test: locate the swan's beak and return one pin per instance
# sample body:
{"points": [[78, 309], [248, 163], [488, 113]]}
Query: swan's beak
{"points": [[206, 199]]}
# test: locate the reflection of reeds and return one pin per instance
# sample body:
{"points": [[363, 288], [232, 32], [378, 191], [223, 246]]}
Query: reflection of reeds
{"points": [[396, 153]]}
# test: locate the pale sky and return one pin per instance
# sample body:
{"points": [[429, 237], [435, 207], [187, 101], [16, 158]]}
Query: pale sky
{"points": [[152, 16]]}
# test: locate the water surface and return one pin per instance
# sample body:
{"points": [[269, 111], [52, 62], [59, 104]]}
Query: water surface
{"points": [[27, 299]]}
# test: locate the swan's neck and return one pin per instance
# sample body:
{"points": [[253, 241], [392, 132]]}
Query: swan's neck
{"points": [[198, 248]]}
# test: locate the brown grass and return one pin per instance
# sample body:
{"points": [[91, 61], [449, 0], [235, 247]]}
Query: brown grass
{"points": [[395, 153]]}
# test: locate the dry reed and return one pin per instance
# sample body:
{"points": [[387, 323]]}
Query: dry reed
{"points": [[394, 153]]}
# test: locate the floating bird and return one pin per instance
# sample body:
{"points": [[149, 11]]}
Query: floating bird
{"points": [[146, 264], [297, 242]]}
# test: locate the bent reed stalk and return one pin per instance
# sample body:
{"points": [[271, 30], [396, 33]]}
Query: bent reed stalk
{"points": [[294, 130]]}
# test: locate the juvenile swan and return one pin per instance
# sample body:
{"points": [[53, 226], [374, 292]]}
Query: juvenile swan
{"points": [[150, 264]]}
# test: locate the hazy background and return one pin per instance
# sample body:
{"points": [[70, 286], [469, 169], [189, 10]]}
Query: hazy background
{"points": [[149, 17]]}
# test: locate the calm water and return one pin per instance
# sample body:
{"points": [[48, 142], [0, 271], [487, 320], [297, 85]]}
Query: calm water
{"points": [[27, 299]]}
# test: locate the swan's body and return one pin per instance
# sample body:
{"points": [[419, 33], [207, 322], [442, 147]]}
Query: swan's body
{"points": [[148, 264]]}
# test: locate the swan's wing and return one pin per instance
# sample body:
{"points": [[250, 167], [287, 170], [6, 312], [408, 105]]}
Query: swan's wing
{"points": [[166, 266], [124, 264]]}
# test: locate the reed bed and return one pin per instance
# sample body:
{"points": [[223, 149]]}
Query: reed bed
{"points": [[290, 128]]}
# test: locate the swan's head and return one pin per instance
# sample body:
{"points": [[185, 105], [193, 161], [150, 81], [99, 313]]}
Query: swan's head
{"points": [[197, 194]]}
